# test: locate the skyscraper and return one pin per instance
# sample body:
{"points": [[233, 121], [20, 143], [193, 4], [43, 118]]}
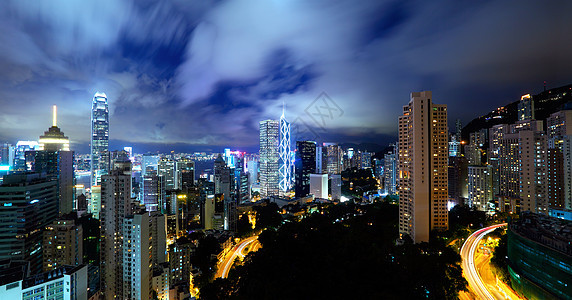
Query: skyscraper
{"points": [[305, 165], [115, 206], [285, 169], [99, 137], [422, 167], [390, 171], [56, 160], [269, 157]]}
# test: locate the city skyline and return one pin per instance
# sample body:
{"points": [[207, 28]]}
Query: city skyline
{"points": [[174, 80]]}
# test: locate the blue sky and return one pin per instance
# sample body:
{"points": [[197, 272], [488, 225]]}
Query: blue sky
{"points": [[202, 74]]}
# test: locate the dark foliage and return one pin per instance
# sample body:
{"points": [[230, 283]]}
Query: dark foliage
{"points": [[499, 259], [347, 251]]}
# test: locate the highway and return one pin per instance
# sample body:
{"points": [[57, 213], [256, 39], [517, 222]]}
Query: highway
{"points": [[225, 265], [476, 283]]}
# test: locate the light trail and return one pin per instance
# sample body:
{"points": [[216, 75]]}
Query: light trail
{"points": [[468, 255], [227, 263]]}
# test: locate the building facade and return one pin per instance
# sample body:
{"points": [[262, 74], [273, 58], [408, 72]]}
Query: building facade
{"points": [[99, 137], [269, 157], [423, 153]]}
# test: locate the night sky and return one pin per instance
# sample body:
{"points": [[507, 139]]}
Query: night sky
{"points": [[200, 75]]}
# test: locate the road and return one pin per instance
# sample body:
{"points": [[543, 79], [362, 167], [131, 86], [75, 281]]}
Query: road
{"points": [[488, 290], [238, 250]]}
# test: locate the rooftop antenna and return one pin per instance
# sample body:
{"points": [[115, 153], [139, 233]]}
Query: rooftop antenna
{"points": [[54, 116], [545, 85]]}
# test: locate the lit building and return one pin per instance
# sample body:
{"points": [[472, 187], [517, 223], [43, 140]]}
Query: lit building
{"points": [[480, 186], [64, 283], [423, 167], [115, 206], [20, 154], [319, 185], [559, 123], [185, 173], [153, 192], [390, 171], [136, 271], [285, 167], [336, 186], [56, 160], [454, 146], [166, 168], [333, 158], [95, 207], [29, 202], [526, 108], [63, 244], [305, 165], [457, 180], [473, 154], [99, 138], [269, 157]]}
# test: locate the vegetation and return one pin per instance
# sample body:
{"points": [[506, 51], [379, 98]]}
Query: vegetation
{"points": [[500, 253], [344, 251], [357, 181], [204, 258]]}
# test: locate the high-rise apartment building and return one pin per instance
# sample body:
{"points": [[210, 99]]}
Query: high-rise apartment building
{"points": [[480, 186], [305, 165], [136, 258], [269, 157], [63, 244], [559, 123], [115, 206], [423, 154], [99, 137]]}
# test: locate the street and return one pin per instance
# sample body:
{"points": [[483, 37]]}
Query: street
{"points": [[224, 266]]}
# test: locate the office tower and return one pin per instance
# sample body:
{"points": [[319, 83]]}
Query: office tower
{"points": [[252, 174], [559, 123], [458, 128], [63, 244], [20, 154], [29, 203], [454, 146], [7, 155], [333, 158], [136, 271], [423, 167], [186, 173], [480, 186], [129, 151], [149, 162], [457, 180], [67, 282], [335, 186], [269, 157], [305, 165], [166, 168], [99, 138], [223, 184], [390, 171], [320, 166], [56, 160], [153, 192], [115, 206], [241, 192], [319, 185], [95, 207], [285, 168], [526, 108]]}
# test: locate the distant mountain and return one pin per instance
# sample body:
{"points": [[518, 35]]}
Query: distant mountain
{"points": [[545, 103]]}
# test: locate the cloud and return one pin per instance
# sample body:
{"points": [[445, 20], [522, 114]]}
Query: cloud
{"points": [[206, 72]]}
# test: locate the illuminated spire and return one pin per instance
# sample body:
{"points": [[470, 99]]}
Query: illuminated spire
{"points": [[54, 116]]}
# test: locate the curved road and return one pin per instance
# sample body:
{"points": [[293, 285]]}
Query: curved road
{"points": [[228, 261], [469, 266]]}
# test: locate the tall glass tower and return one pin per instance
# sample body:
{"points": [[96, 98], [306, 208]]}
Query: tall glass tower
{"points": [[269, 157], [99, 138], [285, 169]]}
